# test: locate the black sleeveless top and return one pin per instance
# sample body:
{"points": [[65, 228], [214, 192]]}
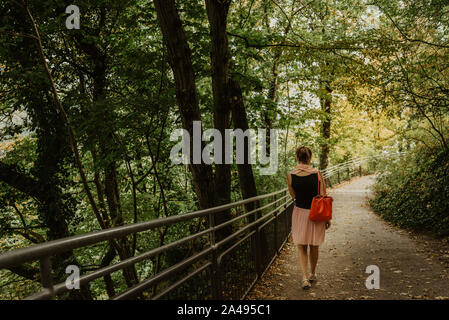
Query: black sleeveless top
{"points": [[305, 187]]}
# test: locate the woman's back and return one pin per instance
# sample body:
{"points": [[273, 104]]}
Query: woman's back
{"points": [[305, 187]]}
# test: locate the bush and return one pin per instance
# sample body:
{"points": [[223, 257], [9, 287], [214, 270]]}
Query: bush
{"points": [[415, 193]]}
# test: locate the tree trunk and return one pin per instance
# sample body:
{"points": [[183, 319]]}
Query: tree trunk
{"points": [[326, 129], [272, 95], [246, 176], [217, 12], [273, 88], [186, 93]]}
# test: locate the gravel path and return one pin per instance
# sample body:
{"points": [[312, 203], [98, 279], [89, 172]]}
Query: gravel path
{"points": [[411, 266]]}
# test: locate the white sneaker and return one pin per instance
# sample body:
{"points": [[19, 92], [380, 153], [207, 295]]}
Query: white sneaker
{"points": [[306, 284], [312, 278]]}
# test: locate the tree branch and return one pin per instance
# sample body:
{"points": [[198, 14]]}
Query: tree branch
{"points": [[11, 175]]}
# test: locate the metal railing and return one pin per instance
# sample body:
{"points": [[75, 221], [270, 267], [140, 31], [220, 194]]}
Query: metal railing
{"points": [[359, 166], [224, 269]]}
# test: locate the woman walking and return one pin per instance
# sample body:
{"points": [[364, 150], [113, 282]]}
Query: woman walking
{"points": [[305, 182]]}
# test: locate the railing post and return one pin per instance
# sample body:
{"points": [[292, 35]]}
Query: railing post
{"points": [[217, 293], [360, 170], [276, 236], [258, 248], [286, 216], [338, 176], [46, 279], [328, 181]]}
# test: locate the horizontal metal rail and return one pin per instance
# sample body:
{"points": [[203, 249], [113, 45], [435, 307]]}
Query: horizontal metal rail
{"points": [[180, 282], [44, 251], [35, 252], [356, 162]]}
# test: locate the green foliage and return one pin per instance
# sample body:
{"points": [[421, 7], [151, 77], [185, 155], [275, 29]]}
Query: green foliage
{"points": [[415, 193], [116, 85]]}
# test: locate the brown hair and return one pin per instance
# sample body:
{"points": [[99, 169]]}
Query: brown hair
{"points": [[303, 154]]}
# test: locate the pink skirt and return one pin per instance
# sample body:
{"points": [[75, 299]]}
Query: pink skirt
{"points": [[306, 231]]}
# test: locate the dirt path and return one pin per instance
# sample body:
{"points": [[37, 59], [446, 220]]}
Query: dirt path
{"points": [[411, 267]]}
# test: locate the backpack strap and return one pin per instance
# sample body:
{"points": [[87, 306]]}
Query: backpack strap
{"points": [[320, 179]]}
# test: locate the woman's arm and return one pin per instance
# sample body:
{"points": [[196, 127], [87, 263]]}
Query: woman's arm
{"points": [[290, 188]]}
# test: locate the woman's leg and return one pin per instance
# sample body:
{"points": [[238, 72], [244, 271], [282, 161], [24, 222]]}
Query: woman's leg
{"points": [[303, 259], [313, 258]]}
